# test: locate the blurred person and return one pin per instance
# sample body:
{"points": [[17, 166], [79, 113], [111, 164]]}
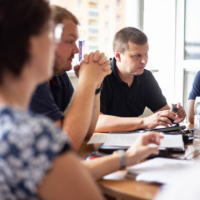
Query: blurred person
{"points": [[37, 161], [195, 92], [130, 88], [76, 113]]}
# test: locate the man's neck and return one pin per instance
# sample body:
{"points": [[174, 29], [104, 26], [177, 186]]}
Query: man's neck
{"points": [[124, 76]]}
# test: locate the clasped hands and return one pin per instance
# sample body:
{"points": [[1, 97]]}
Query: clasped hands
{"points": [[94, 66]]}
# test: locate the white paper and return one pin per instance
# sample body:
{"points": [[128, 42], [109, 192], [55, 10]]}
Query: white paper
{"points": [[160, 127], [176, 190], [161, 170], [114, 139], [169, 141]]}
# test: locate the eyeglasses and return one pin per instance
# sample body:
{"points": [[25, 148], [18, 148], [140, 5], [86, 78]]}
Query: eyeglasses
{"points": [[58, 33]]}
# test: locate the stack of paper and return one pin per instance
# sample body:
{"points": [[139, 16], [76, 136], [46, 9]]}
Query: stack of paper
{"points": [[126, 140], [161, 170]]}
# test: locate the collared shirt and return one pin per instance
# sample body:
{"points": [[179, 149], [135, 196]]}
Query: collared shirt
{"points": [[52, 100], [118, 99]]}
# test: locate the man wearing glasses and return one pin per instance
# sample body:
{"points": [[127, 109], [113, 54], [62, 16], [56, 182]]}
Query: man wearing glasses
{"points": [[75, 112], [130, 88]]}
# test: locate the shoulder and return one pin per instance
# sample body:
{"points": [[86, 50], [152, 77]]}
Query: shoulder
{"points": [[147, 77], [197, 77], [147, 74], [33, 127], [41, 89], [198, 74]]}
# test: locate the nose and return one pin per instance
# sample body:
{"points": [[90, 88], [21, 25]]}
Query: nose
{"points": [[76, 50], [144, 59]]}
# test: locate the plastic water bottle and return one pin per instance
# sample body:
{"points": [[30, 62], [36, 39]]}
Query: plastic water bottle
{"points": [[196, 138]]}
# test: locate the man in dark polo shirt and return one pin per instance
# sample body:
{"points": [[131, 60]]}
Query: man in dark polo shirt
{"points": [[130, 88], [53, 97]]}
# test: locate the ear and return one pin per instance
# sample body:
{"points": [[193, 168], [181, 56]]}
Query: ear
{"points": [[117, 55], [33, 46]]}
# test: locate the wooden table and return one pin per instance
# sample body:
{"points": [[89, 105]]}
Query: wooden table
{"points": [[118, 186]]}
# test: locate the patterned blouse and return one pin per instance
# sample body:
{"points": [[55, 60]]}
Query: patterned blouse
{"points": [[28, 147]]}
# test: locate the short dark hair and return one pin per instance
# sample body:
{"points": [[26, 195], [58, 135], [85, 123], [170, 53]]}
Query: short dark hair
{"points": [[126, 35], [19, 20], [61, 13]]}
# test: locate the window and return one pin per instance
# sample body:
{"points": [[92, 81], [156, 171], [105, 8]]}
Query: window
{"points": [[118, 19], [79, 5], [192, 29], [93, 22], [93, 39], [93, 47], [118, 4], [93, 13], [93, 30], [93, 5]]}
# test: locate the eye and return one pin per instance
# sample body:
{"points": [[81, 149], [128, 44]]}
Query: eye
{"points": [[136, 56], [69, 41]]}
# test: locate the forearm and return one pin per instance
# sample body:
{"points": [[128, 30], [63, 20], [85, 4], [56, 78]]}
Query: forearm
{"points": [[191, 118], [78, 114], [102, 166], [95, 115], [190, 110], [164, 108], [107, 123]]}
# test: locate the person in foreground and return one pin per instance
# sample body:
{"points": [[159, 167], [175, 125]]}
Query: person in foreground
{"points": [[76, 113], [130, 88], [195, 92], [37, 161]]}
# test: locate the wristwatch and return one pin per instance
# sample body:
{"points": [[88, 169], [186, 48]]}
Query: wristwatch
{"points": [[99, 89], [121, 153]]}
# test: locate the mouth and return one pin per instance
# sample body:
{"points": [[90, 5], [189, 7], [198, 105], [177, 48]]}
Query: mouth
{"points": [[141, 67], [71, 58]]}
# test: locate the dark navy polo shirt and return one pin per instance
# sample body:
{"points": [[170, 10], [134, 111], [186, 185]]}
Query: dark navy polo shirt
{"points": [[118, 99], [52, 100], [195, 92]]}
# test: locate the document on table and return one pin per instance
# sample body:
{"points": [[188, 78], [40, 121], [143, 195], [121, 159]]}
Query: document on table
{"points": [[161, 170], [126, 140], [114, 139], [160, 127]]}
